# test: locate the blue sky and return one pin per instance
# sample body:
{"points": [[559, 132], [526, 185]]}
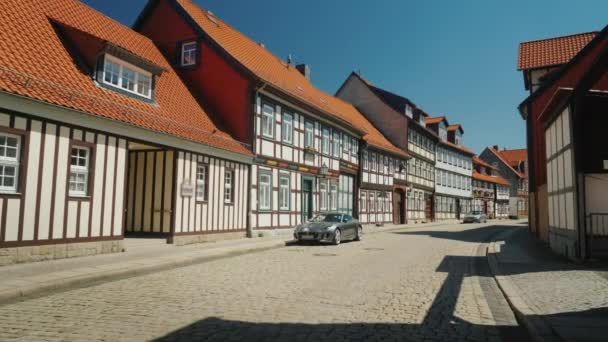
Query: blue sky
{"points": [[453, 58]]}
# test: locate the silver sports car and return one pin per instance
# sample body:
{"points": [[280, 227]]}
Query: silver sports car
{"points": [[329, 227]]}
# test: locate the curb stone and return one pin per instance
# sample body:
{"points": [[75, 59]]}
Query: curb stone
{"points": [[536, 325]]}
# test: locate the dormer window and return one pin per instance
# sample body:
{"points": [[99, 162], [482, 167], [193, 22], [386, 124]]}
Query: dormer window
{"points": [[408, 111], [188, 54], [127, 77]]}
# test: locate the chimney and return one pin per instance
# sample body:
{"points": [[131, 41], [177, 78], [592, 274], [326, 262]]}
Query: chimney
{"points": [[495, 147], [304, 69]]}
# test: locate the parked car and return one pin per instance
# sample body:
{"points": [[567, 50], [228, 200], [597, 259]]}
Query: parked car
{"points": [[329, 227], [475, 216]]}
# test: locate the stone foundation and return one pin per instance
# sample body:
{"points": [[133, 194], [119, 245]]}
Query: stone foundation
{"points": [[182, 240], [563, 242], [16, 255]]}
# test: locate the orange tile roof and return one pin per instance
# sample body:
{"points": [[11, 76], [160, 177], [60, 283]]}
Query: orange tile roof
{"points": [[481, 162], [552, 51], [458, 147], [431, 121], [455, 127], [511, 158], [32, 50], [491, 179], [268, 67]]}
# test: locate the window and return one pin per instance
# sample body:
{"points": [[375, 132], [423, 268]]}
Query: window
{"points": [[326, 146], [323, 195], [79, 171], [284, 189], [372, 203], [287, 128], [188, 53], [228, 186], [346, 143], [337, 143], [355, 146], [309, 134], [333, 196], [201, 182], [386, 169], [10, 147], [268, 121], [373, 161], [408, 111], [379, 198], [264, 191], [125, 76], [363, 201], [365, 161]]}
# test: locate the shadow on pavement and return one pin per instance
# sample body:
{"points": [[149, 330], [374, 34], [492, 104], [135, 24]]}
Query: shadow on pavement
{"points": [[439, 324]]}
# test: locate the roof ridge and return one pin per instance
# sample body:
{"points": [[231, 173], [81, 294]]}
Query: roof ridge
{"points": [[558, 37]]}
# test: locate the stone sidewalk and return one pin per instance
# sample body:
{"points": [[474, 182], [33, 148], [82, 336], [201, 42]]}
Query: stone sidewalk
{"points": [[142, 256], [554, 298]]}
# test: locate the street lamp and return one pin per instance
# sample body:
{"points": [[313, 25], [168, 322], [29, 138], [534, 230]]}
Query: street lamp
{"points": [[324, 171]]}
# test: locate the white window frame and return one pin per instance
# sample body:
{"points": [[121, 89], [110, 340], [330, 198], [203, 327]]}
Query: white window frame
{"points": [[11, 162], [287, 128], [80, 170], [264, 191], [333, 196], [284, 192], [137, 71], [309, 134], [346, 143], [229, 186], [323, 195], [267, 122], [201, 182], [192, 52], [337, 142], [363, 201], [326, 141]]}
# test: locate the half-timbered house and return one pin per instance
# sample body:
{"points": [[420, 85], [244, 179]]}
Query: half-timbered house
{"points": [[404, 125], [566, 119], [490, 191], [307, 143], [454, 167], [101, 139]]}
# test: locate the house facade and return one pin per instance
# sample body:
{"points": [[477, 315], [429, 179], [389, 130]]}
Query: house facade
{"points": [[114, 146], [404, 125], [453, 170], [512, 166], [307, 143], [565, 116], [490, 191]]}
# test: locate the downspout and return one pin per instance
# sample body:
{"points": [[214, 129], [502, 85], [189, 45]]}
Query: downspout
{"points": [[255, 94]]}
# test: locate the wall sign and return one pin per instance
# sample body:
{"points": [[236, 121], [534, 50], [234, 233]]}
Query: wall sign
{"points": [[187, 189], [605, 164]]}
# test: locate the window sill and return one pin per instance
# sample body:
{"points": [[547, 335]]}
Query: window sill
{"points": [[79, 197], [6, 193], [228, 203]]}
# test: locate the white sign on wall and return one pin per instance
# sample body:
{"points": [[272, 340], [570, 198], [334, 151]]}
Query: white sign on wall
{"points": [[187, 189], [605, 164]]}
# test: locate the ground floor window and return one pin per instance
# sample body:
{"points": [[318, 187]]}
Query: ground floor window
{"points": [[284, 191], [264, 191], [345, 194]]}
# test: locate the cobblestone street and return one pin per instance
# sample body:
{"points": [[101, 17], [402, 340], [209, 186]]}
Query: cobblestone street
{"points": [[415, 284]]}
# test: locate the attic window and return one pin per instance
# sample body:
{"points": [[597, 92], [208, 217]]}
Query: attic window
{"points": [[126, 77], [212, 19], [188, 53]]}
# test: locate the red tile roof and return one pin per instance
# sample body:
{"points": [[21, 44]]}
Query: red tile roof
{"points": [[268, 67], [455, 127], [481, 162], [552, 51], [459, 147], [491, 179], [431, 121], [35, 63], [511, 158]]}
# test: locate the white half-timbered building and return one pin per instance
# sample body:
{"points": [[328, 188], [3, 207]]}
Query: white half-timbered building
{"points": [[380, 172], [454, 168], [101, 139]]}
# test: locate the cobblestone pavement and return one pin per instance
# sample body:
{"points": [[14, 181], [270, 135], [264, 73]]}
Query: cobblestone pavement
{"points": [[424, 284]]}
